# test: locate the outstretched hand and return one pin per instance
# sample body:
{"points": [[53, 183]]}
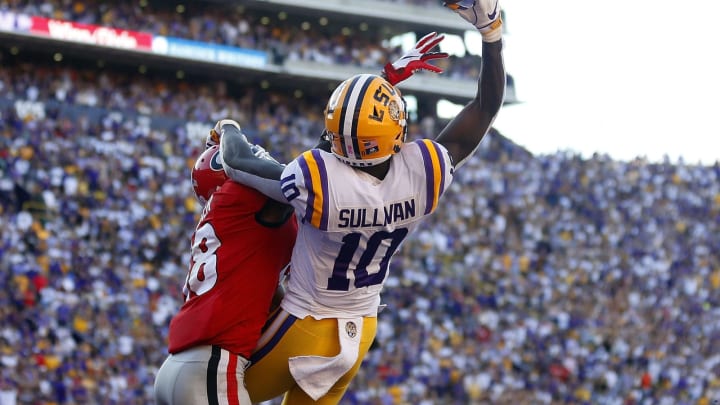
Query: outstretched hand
{"points": [[415, 59], [483, 14], [213, 137]]}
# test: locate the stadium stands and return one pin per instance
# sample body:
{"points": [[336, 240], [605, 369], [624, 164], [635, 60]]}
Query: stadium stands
{"points": [[254, 39], [545, 279]]}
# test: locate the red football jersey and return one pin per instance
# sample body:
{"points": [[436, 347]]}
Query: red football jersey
{"points": [[234, 271]]}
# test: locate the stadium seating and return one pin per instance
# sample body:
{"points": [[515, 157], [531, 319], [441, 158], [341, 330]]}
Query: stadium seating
{"points": [[544, 279]]}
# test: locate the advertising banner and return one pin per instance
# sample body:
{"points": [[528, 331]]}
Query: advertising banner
{"points": [[211, 53], [90, 34]]}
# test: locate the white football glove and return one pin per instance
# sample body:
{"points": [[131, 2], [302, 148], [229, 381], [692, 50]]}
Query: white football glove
{"points": [[213, 137], [483, 14], [415, 59], [261, 153]]}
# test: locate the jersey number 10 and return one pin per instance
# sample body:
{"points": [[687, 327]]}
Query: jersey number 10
{"points": [[340, 281]]}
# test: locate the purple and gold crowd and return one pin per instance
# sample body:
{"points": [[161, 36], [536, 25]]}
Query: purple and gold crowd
{"points": [[543, 279], [549, 279]]}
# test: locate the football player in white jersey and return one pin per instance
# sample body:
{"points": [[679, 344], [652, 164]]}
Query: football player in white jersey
{"points": [[355, 205]]}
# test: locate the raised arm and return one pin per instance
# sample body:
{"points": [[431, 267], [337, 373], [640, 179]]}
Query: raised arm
{"points": [[243, 163], [463, 133]]}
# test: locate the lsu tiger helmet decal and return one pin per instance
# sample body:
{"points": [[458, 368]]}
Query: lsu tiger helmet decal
{"points": [[366, 119], [207, 174]]}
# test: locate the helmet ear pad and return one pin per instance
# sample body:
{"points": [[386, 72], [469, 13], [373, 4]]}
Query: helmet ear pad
{"points": [[367, 119]]}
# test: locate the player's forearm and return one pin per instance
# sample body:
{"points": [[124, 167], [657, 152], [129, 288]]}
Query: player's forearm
{"points": [[491, 86], [463, 134], [242, 166]]}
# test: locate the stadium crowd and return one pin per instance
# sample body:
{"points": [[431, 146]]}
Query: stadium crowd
{"points": [[545, 279], [227, 24]]}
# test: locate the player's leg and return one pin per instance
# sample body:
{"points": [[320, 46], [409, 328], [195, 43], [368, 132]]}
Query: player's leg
{"points": [[202, 375], [297, 396], [165, 382], [269, 374], [286, 336]]}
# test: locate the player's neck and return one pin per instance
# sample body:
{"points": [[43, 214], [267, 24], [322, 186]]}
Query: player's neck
{"points": [[378, 171]]}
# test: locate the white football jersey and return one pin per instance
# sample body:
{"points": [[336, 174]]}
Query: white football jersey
{"points": [[351, 223]]}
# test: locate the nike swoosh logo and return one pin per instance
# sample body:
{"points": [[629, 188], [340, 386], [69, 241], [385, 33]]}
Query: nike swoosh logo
{"points": [[494, 12]]}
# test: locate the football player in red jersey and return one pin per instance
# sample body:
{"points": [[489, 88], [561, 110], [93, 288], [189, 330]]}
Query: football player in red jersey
{"points": [[239, 248]]}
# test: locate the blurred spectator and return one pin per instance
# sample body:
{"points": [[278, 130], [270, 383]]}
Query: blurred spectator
{"points": [[546, 279], [229, 24]]}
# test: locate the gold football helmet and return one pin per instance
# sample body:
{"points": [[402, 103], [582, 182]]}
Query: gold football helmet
{"points": [[366, 119]]}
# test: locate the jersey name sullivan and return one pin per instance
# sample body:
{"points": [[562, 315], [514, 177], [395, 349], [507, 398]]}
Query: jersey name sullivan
{"points": [[366, 217]]}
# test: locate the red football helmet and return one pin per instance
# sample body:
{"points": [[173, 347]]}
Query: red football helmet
{"points": [[208, 174]]}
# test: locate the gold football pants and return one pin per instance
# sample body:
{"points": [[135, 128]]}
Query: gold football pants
{"points": [[286, 336]]}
